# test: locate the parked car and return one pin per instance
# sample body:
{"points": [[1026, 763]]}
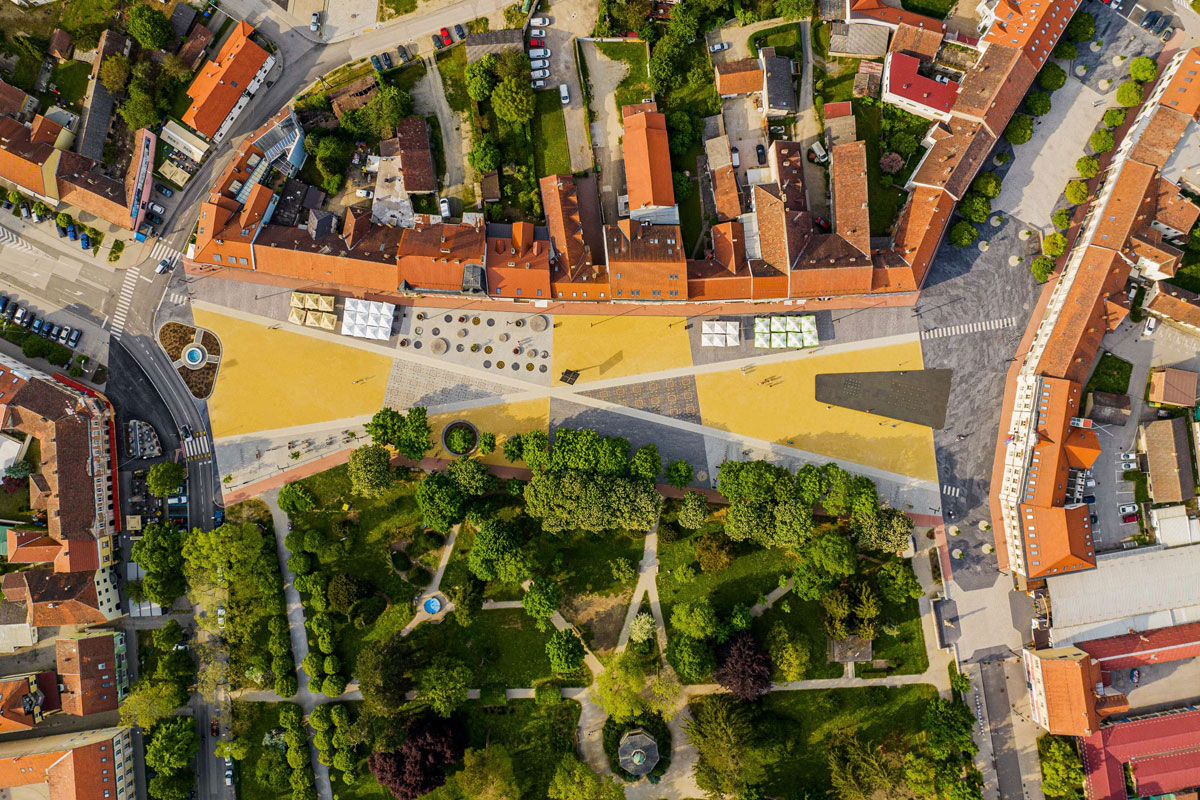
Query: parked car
{"points": [[64, 335], [165, 191], [733, 154], [1151, 325], [446, 37], [76, 335], [537, 42], [1168, 33], [365, 193], [36, 327], [153, 218], [1128, 456], [376, 63], [537, 84], [15, 312], [156, 208], [163, 267], [387, 60], [718, 47], [537, 33], [3, 303], [314, 22], [540, 63], [539, 52], [71, 231], [444, 207], [25, 210], [60, 230], [55, 330], [6, 203], [460, 32], [564, 94], [37, 218], [761, 152], [1150, 18], [540, 73], [1162, 23], [221, 617], [84, 242], [30, 318], [540, 22], [1128, 518], [821, 223], [1089, 498], [437, 42], [1094, 519], [1128, 508], [403, 53], [229, 777]]}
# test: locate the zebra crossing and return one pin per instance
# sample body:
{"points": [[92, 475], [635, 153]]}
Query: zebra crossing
{"points": [[10, 239], [178, 298], [952, 491], [195, 448], [969, 327], [163, 250], [124, 301]]}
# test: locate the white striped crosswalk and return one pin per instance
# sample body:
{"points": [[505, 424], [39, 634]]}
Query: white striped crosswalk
{"points": [[177, 298], [10, 239], [163, 250], [195, 448], [952, 491], [124, 300], [969, 327]]}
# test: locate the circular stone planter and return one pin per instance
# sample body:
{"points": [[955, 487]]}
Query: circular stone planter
{"points": [[1013, 261], [194, 356], [995, 221], [1081, 70], [1024, 235], [439, 346], [983, 246], [957, 553], [460, 437], [538, 324], [1094, 46]]}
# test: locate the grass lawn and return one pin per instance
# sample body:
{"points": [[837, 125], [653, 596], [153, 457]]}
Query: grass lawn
{"points": [[181, 102], [884, 202], [24, 74], [905, 651], [691, 212], [72, 81], [1188, 274], [699, 100], [635, 86], [86, 19], [549, 133], [784, 38], [406, 77], [395, 8], [15, 506], [452, 64], [805, 619], [1111, 375], [794, 729], [501, 646], [938, 9], [251, 722], [537, 737], [580, 560]]}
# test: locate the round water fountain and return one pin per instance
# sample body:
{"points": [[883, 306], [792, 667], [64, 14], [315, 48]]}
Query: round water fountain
{"points": [[194, 356]]}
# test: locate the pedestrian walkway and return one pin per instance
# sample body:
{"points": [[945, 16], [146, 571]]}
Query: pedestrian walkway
{"points": [[10, 239], [195, 447], [163, 250], [969, 327], [647, 585], [124, 300]]}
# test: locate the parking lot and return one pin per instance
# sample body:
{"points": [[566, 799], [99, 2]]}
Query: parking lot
{"points": [[744, 127]]}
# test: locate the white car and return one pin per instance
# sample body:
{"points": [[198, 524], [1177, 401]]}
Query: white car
{"points": [[564, 93], [1128, 508], [537, 33], [540, 73], [1129, 456], [367, 193], [315, 22], [156, 208], [540, 63], [164, 266], [718, 47], [444, 207], [1151, 325], [537, 84], [539, 52], [540, 22]]}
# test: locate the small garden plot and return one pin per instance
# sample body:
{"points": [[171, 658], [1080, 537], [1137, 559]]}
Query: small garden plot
{"points": [[263, 773], [901, 642], [1111, 375], [804, 622], [635, 86]]}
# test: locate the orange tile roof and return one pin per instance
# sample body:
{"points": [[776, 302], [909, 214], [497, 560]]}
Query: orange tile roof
{"points": [[744, 76], [1175, 303], [560, 200], [31, 547], [920, 226], [1183, 92], [518, 266], [1069, 678], [371, 264], [1160, 136], [1034, 26], [1173, 209], [1075, 341], [783, 230], [25, 698], [729, 246], [646, 261], [1129, 205], [12, 99], [953, 161], [56, 598], [218, 85], [876, 9], [992, 90], [922, 43], [647, 161], [848, 183], [1171, 386], [88, 670], [21, 159], [45, 130], [75, 766], [725, 193], [434, 257]]}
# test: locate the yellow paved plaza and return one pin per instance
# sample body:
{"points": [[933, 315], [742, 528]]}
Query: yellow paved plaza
{"points": [[788, 410], [276, 379], [614, 347], [502, 419]]}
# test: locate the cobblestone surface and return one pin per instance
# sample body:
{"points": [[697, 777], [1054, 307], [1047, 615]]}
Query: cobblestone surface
{"points": [[673, 397], [417, 385]]}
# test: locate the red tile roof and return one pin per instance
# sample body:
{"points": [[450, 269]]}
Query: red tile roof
{"points": [[646, 261], [1139, 649], [954, 160], [1075, 341], [1183, 92], [1069, 678], [840, 109], [848, 183], [218, 85], [992, 90], [1160, 137], [877, 9], [24, 699], [435, 256], [88, 670], [647, 161], [12, 99], [1173, 209], [923, 43], [75, 766], [1033, 25], [902, 79], [739, 77], [518, 266], [1106, 751]]}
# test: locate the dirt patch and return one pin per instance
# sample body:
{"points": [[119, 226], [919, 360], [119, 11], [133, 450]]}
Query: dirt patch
{"points": [[599, 617]]}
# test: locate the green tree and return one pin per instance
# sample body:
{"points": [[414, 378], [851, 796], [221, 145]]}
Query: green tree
{"points": [[643, 628], [788, 653], [1081, 28], [795, 9], [1101, 141], [695, 619], [481, 78], [1143, 69], [897, 582], [441, 501], [165, 478], [62, 219], [19, 469], [139, 110], [114, 73], [684, 186], [408, 433], [381, 671], [148, 702], [793, 523], [513, 101], [987, 184], [497, 554], [714, 551], [171, 785], [1019, 129], [618, 688], [1042, 268], [1038, 103], [1077, 192], [296, 498], [693, 510], [443, 684], [1066, 51], [487, 443], [886, 530], [488, 775], [692, 658], [485, 153], [947, 725], [541, 601], [1051, 77], [722, 732], [823, 562], [565, 651], [149, 27], [975, 207], [370, 470], [159, 554], [646, 464], [963, 234], [172, 744], [471, 476], [1062, 771], [1114, 117], [1129, 94], [1054, 245], [574, 780], [1088, 166], [680, 474]]}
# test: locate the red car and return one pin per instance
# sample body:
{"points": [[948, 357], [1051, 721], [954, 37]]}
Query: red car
{"points": [[537, 42], [1129, 518], [214, 729], [447, 39]]}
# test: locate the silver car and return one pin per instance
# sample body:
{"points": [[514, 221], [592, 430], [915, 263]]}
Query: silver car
{"points": [[540, 63], [540, 73], [537, 33]]}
